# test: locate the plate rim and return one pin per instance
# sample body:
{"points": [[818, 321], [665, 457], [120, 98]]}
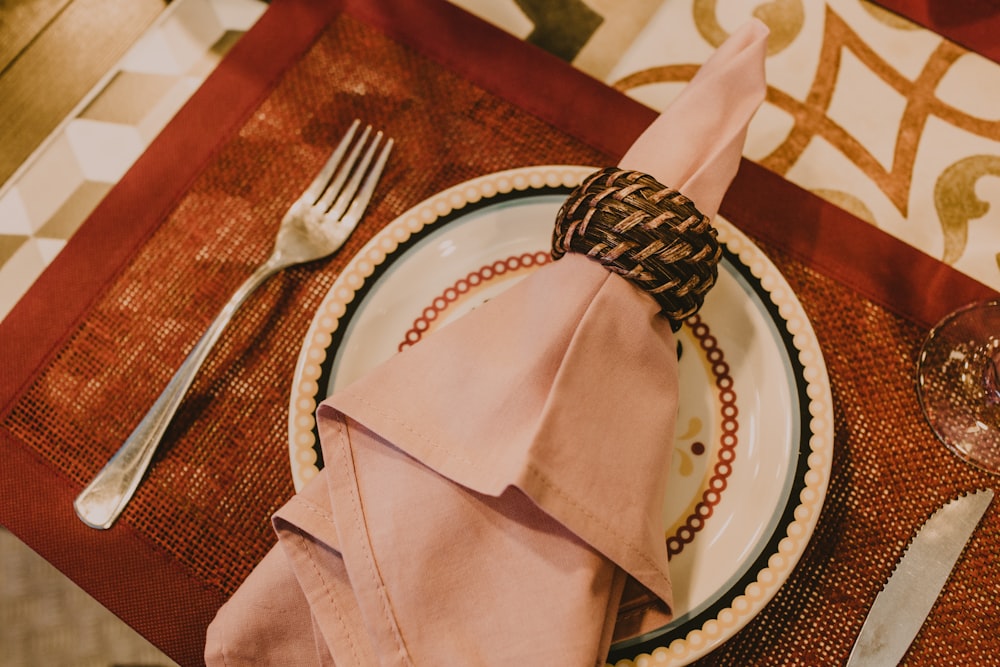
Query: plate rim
{"points": [[817, 415]]}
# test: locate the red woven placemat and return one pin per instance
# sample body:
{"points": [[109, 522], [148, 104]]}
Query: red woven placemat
{"points": [[223, 467], [889, 475]]}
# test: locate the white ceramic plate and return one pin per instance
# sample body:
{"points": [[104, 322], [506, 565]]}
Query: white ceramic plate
{"points": [[755, 427]]}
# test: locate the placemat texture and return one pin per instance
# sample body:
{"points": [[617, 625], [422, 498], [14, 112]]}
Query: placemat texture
{"points": [[223, 468], [224, 458], [889, 475]]}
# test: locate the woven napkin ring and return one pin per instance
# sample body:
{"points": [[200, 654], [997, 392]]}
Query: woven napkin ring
{"points": [[644, 231]]}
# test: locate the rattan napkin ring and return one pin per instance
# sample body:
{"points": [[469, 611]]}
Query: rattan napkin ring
{"points": [[644, 231]]}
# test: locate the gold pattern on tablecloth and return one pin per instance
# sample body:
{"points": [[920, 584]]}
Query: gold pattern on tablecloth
{"points": [[911, 107], [784, 18], [957, 203]]}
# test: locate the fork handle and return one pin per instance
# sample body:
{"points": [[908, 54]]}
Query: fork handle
{"points": [[102, 501]]}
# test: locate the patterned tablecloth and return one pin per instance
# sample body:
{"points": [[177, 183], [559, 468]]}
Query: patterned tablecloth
{"points": [[100, 331]]}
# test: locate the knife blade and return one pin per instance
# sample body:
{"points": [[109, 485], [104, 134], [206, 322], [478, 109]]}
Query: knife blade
{"points": [[902, 606]]}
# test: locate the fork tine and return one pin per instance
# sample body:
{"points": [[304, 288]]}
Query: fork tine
{"points": [[343, 171], [318, 185], [347, 194], [360, 202]]}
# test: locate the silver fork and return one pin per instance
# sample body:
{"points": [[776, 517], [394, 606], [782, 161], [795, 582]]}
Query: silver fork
{"points": [[316, 225]]}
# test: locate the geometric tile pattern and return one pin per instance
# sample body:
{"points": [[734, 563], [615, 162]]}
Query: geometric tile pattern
{"points": [[47, 199]]}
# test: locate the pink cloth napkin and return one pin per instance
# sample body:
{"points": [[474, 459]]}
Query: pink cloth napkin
{"points": [[487, 492]]}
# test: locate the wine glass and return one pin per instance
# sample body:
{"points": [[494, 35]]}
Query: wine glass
{"points": [[958, 383]]}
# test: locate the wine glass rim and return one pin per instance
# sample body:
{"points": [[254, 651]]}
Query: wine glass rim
{"points": [[955, 312]]}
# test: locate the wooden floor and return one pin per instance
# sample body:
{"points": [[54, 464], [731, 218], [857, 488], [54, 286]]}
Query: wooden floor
{"points": [[52, 53]]}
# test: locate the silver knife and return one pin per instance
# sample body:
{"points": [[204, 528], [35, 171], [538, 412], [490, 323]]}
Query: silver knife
{"points": [[902, 606]]}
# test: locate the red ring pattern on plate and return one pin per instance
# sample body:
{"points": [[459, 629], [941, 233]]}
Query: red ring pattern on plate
{"points": [[463, 286], [801, 349], [728, 440], [717, 483]]}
